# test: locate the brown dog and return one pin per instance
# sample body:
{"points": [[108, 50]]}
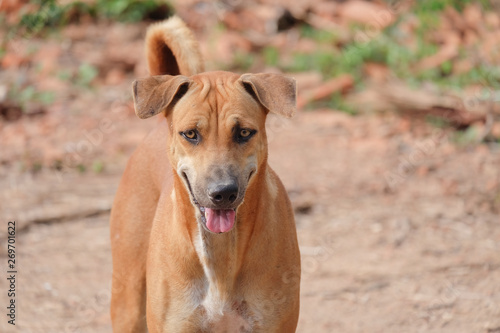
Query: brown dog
{"points": [[202, 231]]}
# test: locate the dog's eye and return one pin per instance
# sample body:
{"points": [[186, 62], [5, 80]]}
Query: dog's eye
{"points": [[191, 135], [244, 134]]}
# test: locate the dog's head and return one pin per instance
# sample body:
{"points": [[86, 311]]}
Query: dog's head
{"points": [[217, 139]]}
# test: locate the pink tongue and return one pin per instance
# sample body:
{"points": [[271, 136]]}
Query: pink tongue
{"points": [[219, 220]]}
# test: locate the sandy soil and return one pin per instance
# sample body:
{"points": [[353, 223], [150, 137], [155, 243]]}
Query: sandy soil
{"points": [[417, 255]]}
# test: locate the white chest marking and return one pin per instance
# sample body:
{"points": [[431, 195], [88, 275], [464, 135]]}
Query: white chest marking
{"points": [[221, 313]]}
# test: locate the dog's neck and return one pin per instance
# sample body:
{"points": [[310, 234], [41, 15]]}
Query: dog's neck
{"points": [[218, 255], [221, 255]]}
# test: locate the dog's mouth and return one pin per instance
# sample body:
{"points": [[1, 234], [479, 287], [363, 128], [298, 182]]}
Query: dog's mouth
{"points": [[214, 220]]}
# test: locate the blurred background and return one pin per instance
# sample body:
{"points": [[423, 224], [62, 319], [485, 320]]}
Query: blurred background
{"points": [[392, 162]]}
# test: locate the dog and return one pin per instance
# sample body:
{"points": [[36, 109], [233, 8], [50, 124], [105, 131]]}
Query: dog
{"points": [[202, 231]]}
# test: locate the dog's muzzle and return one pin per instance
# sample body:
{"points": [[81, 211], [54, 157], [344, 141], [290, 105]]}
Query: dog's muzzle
{"points": [[218, 214]]}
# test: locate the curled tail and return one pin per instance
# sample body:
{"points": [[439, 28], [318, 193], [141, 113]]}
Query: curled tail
{"points": [[171, 48]]}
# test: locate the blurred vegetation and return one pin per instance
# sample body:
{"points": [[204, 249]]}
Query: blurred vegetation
{"points": [[332, 56], [48, 14], [43, 16], [86, 74], [22, 95], [388, 48], [440, 5], [132, 10]]}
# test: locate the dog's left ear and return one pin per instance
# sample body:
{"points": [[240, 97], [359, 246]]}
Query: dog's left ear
{"points": [[157, 93], [276, 92]]}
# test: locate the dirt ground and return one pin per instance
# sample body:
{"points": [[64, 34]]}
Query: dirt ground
{"points": [[420, 256], [398, 223]]}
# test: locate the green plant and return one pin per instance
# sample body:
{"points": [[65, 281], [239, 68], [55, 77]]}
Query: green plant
{"points": [[393, 47], [337, 102], [243, 61], [129, 10], [318, 35], [81, 168], [23, 95], [64, 74], [438, 122], [98, 166], [36, 166], [271, 56], [466, 137], [440, 5], [46, 97], [47, 14], [86, 74], [3, 51], [323, 61]]}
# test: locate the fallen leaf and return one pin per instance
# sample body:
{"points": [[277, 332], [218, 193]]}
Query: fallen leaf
{"points": [[447, 52], [368, 13], [325, 90], [375, 71]]}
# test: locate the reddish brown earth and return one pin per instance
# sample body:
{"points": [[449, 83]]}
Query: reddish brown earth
{"points": [[420, 257]]}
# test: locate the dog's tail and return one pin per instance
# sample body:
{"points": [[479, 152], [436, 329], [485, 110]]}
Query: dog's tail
{"points": [[171, 48]]}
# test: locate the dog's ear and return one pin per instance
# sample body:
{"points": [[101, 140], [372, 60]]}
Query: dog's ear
{"points": [[157, 93], [276, 92]]}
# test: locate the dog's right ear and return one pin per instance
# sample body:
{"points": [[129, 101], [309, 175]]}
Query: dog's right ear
{"points": [[154, 94]]}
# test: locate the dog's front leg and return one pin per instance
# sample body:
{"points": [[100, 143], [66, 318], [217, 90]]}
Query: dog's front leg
{"points": [[168, 310], [131, 219], [170, 305]]}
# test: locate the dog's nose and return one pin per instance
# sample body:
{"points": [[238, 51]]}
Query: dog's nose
{"points": [[223, 194]]}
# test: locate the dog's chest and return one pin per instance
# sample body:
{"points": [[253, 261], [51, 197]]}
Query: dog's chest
{"points": [[219, 307], [233, 319], [217, 312]]}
